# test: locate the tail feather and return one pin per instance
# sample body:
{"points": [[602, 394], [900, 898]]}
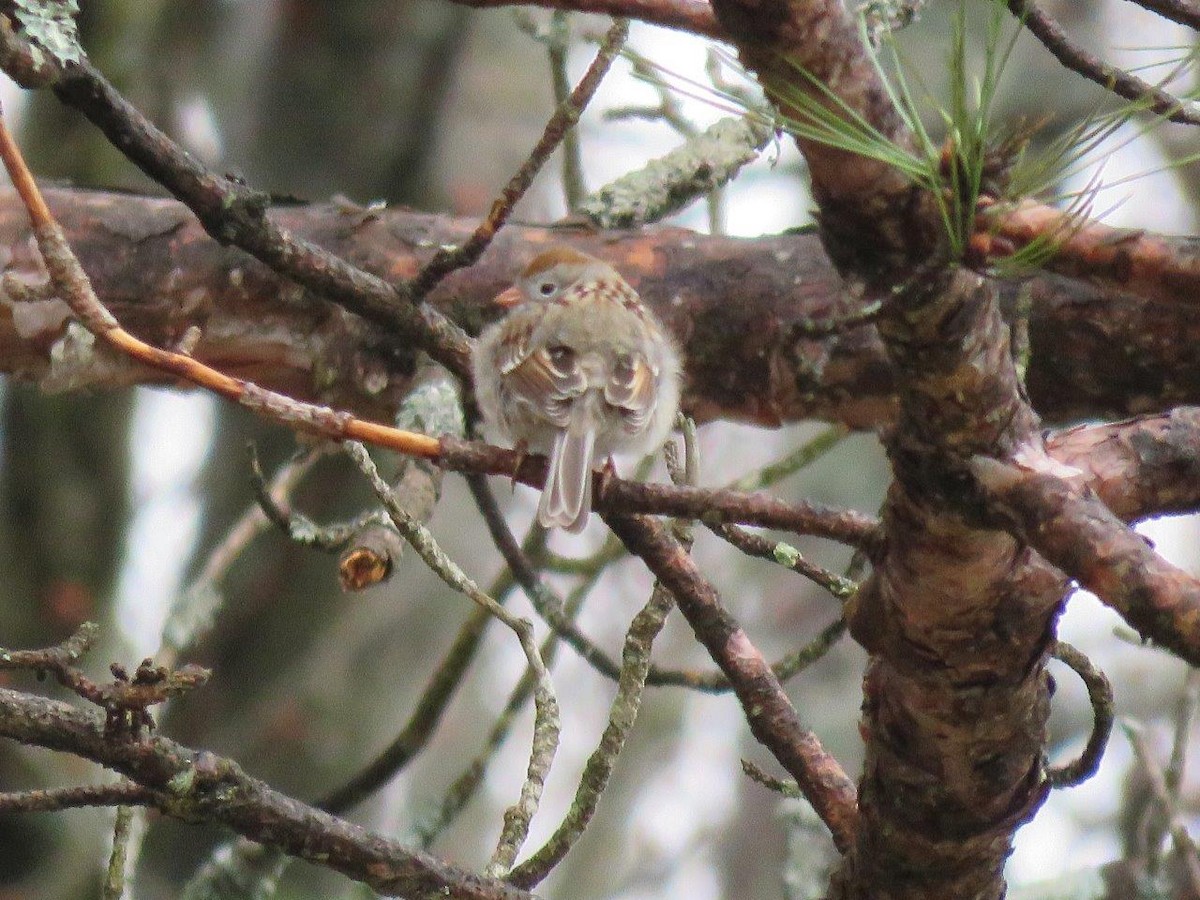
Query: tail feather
{"points": [[567, 496]]}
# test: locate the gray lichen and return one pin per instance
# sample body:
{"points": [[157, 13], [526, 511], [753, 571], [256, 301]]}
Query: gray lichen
{"points": [[669, 183], [50, 24]]}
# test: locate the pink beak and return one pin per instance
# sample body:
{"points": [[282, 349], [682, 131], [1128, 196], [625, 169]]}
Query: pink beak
{"points": [[509, 297]]}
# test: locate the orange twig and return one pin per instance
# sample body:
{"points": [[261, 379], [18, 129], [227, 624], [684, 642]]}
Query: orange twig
{"points": [[69, 277]]}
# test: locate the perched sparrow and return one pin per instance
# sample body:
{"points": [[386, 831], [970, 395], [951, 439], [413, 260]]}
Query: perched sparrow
{"points": [[579, 369]]}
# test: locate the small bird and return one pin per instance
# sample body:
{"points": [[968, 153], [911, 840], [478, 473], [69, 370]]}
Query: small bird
{"points": [[578, 369]]}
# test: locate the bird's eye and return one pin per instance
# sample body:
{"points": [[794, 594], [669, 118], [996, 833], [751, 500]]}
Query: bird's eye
{"points": [[546, 288], [562, 358]]}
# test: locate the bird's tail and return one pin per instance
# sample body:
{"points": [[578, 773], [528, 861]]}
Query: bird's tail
{"points": [[567, 496]]}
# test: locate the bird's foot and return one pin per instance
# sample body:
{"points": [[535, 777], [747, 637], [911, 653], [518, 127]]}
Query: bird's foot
{"points": [[608, 474], [521, 449]]}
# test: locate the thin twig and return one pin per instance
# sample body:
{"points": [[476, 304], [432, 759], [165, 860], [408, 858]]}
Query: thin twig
{"points": [[125, 700], [1185, 845], [193, 612], [1155, 821], [787, 556], [564, 119], [558, 41], [822, 328], [800, 458], [785, 786], [427, 711], [635, 666], [233, 213], [115, 875], [635, 656], [123, 793], [1055, 39], [546, 724], [550, 607], [706, 505], [695, 16], [772, 718], [463, 788], [1100, 695]]}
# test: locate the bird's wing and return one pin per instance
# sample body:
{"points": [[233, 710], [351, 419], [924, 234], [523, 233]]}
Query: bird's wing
{"points": [[631, 390], [534, 378]]}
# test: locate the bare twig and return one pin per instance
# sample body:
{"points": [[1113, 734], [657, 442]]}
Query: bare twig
{"points": [[193, 611], [819, 328], [429, 708], [563, 120], [769, 712], [785, 786], [463, 788], [800, 458], [635, 665], [702, 504], [1100, 695], [700, 166], [114, 878], [1185, 845], [550, 608], [1155, 821], [1120, 82], [546, 718], [557, 39], [125, 701], [787, 556], [122, 793]]}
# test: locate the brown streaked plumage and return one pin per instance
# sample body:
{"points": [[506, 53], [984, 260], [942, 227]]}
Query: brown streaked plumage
{"points": [[579, 369]]}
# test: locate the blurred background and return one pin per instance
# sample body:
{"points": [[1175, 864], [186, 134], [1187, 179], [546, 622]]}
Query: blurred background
{"points": [[110, 505]]}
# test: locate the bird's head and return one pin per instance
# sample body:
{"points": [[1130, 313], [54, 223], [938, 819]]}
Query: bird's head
{"points": [[550, 274]]}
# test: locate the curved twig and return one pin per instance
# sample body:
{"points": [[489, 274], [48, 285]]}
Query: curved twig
{"points": [[1100, 694]]}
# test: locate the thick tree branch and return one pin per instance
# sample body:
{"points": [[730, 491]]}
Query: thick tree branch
{"points": [[1152, 267], [200, 786], [735, 305], [1075, 531], [1140, 468]]}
